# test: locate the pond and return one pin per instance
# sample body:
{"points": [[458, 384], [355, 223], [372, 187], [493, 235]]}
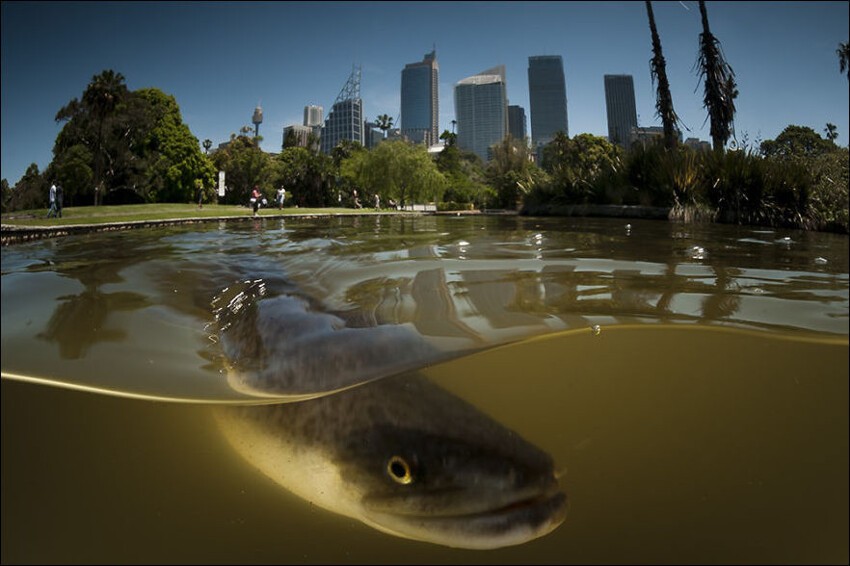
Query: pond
{"points": [[430, 389]]}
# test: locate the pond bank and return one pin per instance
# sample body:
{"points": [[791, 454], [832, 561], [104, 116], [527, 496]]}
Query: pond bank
{"points": [[11, 234]]}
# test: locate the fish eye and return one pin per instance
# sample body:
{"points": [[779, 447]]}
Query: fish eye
{"points": [[399, 470]]}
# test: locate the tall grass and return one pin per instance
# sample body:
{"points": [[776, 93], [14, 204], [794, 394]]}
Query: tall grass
{"points": [[736, 186]]}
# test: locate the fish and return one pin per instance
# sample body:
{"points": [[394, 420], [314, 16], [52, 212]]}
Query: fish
{"points": [[406, 457], [353, 425]]}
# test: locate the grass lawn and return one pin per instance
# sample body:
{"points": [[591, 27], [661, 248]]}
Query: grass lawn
{"points": [[153, 212]]}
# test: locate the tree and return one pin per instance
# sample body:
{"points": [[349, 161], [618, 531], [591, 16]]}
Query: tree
{"points": [[5, 195], [384, 122], [133, 143], [720, 88], [843, 53], [30, 191], [511, 173], [306, 173], [175, 159], [395, 170], [664, 100], [74, 172], [831, 131], [449, 138], [797, 142], [574, 165], [102, 96], [245, 165], [290, 139]]}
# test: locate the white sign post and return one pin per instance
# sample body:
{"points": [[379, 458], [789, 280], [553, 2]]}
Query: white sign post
{"points": [[221, 183]]}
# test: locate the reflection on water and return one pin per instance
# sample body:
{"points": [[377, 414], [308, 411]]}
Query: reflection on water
{"points": [[689, 384]]}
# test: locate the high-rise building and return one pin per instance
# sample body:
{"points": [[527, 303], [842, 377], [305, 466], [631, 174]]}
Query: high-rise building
{"points": [[372, 135], [313, 116], [547, 93], [620, 105], [517, 123], [298, 134], [345, 121], [481, 111], [420, 100]]}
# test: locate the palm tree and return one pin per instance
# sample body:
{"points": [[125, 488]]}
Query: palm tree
{"points": [[720, 88], [831, 131], [207, 145], [384, 122], [103, 94], [664, 100], [843, 53]]}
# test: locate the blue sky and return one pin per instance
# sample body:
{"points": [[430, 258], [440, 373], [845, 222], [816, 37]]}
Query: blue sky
{"points": [[220, 59]]}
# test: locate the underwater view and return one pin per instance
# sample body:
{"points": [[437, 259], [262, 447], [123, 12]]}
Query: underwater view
{"points": [[433, 389]]}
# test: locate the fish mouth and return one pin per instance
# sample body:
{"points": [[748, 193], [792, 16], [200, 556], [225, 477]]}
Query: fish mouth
{"points": [[510, 523]]}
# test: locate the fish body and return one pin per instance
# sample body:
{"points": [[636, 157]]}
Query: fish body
{"points": [[407, 458], [370, 438]]}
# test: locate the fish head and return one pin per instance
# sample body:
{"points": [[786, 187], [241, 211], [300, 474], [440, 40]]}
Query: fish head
{"points": [[454, 491]]}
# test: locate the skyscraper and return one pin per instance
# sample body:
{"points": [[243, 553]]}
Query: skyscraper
{"points": [[313, 115], [517, 123], [420, 100], [345, 122], [481, 111], [620, 105], [547, 94]]}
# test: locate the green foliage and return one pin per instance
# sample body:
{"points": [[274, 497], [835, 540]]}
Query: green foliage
{"points": [[5, 195], [796, 142], [175, 158], [511, 173], [579, 168], [843, 53], [395, 170], [74, 172], [245, 165], [464, 173], [30, 192], [306, 174], [117, 140], [827, 207]]}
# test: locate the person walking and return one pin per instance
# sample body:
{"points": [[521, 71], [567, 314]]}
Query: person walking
{"points": [[52, 197], [256, 197], [281, 196], [60, 196]]}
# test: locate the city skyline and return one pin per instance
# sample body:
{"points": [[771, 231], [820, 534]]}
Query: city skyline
{"points": [[220, 59]]}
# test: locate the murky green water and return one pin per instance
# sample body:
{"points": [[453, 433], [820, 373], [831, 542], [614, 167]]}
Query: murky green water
{"points": [[690, 385]]}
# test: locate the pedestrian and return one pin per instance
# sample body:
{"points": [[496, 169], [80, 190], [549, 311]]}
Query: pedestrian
{"points": [[256, 198], [200, 196], [377, 201], [52, 197], [60, 198], [281, 196]]}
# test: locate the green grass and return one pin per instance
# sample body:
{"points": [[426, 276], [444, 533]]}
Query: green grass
{"points": [[155, 212]]}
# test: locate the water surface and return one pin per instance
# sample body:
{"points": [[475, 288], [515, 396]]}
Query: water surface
{"points": [[688, 382]]}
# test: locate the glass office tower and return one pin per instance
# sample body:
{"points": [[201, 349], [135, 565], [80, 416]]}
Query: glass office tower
{"points": [[620, 105], [547, 94], [481, 111], [420, 100]]}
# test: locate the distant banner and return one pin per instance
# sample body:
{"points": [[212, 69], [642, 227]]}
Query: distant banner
{"points": [[221, 183]]}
